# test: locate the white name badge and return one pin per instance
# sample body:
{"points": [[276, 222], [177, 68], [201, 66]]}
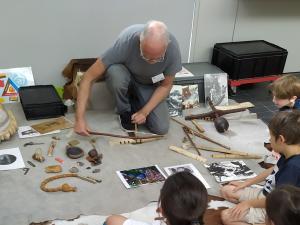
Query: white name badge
{"points": [[158, 78]]}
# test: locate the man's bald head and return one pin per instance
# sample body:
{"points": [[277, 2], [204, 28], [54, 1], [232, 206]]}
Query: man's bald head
{"points": [[155, 31], [154, 39]]}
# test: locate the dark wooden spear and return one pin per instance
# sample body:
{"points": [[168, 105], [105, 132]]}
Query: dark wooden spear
{"points": [[124, 136]]}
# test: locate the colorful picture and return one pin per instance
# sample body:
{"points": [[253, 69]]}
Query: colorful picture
{"points": [[188, 168], [230, 170], [141, 176], [10, 82]]}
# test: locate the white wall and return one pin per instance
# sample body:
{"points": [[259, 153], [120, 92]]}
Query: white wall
{"points": [[276, 21], [46, 34]]}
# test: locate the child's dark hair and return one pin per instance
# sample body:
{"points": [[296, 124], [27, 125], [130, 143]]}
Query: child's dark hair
{"points": [[286, 87], [286, 124], [283, 205], [183, 199]]}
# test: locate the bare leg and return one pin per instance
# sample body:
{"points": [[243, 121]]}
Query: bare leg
{"points": [[115, 220], [228, 193], [227, 218]]}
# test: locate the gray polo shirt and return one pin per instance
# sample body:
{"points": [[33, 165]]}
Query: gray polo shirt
{"points": [[126, 51]]}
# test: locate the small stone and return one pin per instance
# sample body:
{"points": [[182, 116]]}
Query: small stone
{"points": [[80, 163], [96, 171], [88, 168], [73, 143], [73, 170], [56, 138]]}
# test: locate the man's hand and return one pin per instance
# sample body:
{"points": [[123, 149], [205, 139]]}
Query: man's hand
{"points": [[139, 117], [81, 128]]}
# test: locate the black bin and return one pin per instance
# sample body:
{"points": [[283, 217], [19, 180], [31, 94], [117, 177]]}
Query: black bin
{"points": [[248, 59], [40, 102]]}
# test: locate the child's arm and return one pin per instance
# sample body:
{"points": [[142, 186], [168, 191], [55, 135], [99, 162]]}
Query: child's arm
{"points": [[259, 178], [240, 208]]}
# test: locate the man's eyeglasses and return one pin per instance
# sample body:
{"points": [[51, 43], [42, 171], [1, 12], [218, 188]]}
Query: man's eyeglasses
{"points": [[160, 59]]}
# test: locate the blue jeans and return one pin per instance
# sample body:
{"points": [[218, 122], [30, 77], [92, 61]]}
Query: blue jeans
{"points": [[120, 82]]}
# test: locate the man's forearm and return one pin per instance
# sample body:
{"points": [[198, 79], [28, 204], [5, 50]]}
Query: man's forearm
{"points": [[82, 98], [158, 95], [94, 72]]}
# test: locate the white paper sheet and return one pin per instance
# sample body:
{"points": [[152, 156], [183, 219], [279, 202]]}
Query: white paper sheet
{"points": [[11, 159], [184, 73], [189, 168], [218, 204], [28, 132]]}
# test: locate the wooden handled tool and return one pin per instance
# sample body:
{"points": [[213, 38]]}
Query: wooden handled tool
{"points": [[196, 133]]}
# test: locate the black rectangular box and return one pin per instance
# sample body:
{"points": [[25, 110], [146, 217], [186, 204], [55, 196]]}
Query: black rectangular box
{"points": [[248, 59], [40, 102]]}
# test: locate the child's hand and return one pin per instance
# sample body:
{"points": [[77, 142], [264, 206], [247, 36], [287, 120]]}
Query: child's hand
{"points": [[240, 210], [238, 185]]}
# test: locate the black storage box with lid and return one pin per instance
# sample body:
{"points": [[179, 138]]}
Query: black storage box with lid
{"points": [[40, 102], [248, 59]]}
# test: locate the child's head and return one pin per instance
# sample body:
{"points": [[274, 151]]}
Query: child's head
{"points": [[285, 90], [183, 199], [283, 206], [285, 127]]}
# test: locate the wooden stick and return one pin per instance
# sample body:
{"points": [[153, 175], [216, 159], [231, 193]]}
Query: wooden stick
{"points": [[236, 106], [186, 153], [186, 131], [211, 149], [234, 156], [123, 141], [198, 126], [124, 136], [209, 139], [135, 129], [193, 131]]}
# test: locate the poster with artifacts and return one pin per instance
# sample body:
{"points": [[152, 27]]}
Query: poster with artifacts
{"points": [[230, 170], [10, 82], [181, 98], [216, 88]]}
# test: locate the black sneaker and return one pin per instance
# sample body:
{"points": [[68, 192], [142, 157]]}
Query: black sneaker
{"points": [[125, 121]]}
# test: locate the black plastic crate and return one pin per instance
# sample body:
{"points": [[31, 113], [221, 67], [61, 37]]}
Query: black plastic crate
{"points": [[40, 102], [248, 59]]}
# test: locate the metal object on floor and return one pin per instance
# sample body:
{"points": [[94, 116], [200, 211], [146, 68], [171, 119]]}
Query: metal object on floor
{"points": [[26, 169], [31, 163], [32, 143]]}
